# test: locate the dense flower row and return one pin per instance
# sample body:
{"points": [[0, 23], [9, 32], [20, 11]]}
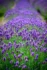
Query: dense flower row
{"points": [[23, 41]]}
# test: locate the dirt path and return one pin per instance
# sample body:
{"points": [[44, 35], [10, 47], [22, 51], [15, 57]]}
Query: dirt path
{"points": [[2, 21]]}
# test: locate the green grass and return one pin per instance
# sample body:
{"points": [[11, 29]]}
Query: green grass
{"points": [[2, 11]]}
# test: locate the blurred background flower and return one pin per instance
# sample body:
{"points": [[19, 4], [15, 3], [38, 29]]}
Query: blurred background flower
{"points": [[40, 6]]}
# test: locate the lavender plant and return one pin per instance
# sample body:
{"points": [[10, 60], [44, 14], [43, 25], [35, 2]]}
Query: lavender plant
{"points": [[23, 40]]}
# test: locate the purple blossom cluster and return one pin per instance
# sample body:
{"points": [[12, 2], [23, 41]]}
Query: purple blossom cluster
{"points": [[32, 30]]}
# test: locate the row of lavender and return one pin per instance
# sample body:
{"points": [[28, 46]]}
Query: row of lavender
{"points": [[31, 49], [33, 45], [35, 37]]}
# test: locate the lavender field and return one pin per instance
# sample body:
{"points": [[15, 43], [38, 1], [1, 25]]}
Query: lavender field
{"points": [[23, 38]]}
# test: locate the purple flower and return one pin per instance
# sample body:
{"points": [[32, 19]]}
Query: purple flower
{"points": [[4, 58], [15, 56], [7, 37], [36, 49], [26, 58], [6, 54], [45, 50], [41, 48], [27, 43], [30, 49], [4, 45], [5, 48], [24, 67], [32, 53], [3, 51], [19, 55], [46, 59], [10, 45], [16, 63], [45, 40], [36, 57], [17, 46], [11, 61], [19, 34], [1, 31]]}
